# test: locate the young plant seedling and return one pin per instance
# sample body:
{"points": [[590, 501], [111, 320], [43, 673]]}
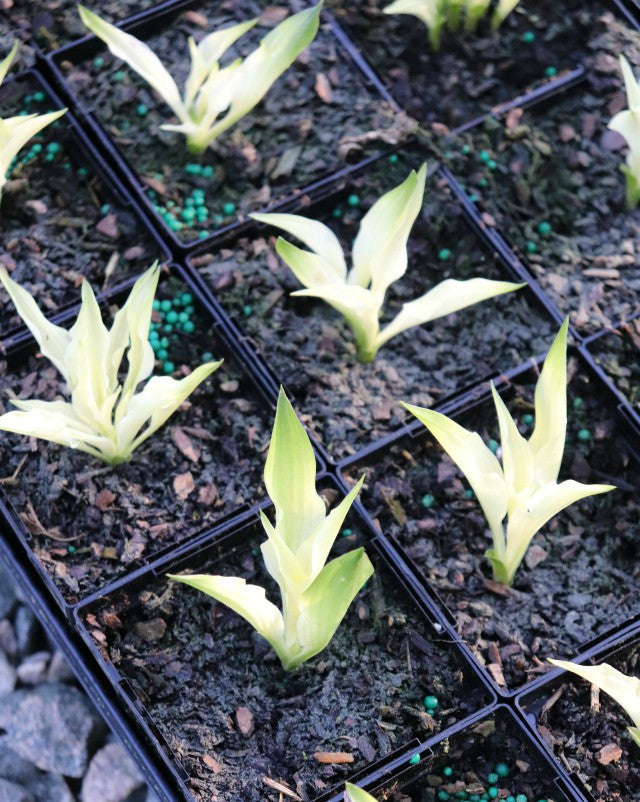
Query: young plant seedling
{"points": [[210, 89], [315, 596], [525, 487], [627, 123], [454, 14], [379, 257], [354, 794], [623, 688], [105, 418], [15, 132]]}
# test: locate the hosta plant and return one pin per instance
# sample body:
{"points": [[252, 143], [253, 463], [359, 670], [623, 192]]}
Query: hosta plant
{"points": [[452, 14], [623, 688], [315, 596], [211, 90], [379, 258], [627, 123], [104, 417], [354, 794], [16, 131], [525, 487]]}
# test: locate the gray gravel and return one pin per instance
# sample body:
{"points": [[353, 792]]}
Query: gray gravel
{"points": [[54, 747]]}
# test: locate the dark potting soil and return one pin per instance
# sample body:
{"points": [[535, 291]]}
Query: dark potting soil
{"points": [[60, 223], [466, 761], [591, 737], [310, 348], [205, 677], [580, 576], [471, 73], [551, 180], [9, 32], [56, 22], [617, 354], [292, 139], [90, 523]]}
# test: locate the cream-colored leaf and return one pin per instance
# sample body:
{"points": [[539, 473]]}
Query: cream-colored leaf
{"points": [[354, 794]]}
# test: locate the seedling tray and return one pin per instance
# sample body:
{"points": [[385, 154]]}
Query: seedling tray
{"points": [[64, 215], [586, 730], [249, 170], [415, 495], [370, 672], [473, 74], [306, 346], [84, 524]]}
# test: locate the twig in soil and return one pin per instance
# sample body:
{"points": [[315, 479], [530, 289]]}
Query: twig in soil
{"points": [[552, 700], [11, 480], [282, 788], [110, 268], [33, 520], [595, 699]]}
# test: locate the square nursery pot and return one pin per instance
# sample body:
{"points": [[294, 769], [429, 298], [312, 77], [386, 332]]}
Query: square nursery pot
{"points": [[317, 115], [215, 703], [463, 766], [472, 74], [585, 729], [64, 217], [84, 524], [577, 583], [615, 357], [48, 26], [548, 178], [307, 346]]}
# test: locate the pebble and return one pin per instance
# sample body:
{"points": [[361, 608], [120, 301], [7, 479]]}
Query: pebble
{"points": [[27, 629], [111, 776], [53, 726], [33, 669], [10, 792], [7, 595], [59, 670], [7, 675]]}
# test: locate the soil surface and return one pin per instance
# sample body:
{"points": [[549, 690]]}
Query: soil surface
{"points": [[590, 735], [310, 348], [465, 762], [550, 178], [60, 222], [91, 523], [579, 578], [471, 73], [292, 139], [362, 696], [57, 22], [617, 354]]}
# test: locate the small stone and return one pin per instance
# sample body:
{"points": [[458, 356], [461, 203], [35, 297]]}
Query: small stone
{"points": [[50, 788], [28, 631], [246, 725], [59, 669], [10, 792], [151, 631], [7, 594], [8, 675], [52, 725], [111, 777], [33, 669]]}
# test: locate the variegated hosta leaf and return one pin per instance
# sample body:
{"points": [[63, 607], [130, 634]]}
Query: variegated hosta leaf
{"points": [[621, 687], [6, 62], [103, 418], [502, 11], [209, 90], [315, 596], [15, 132], [379, 258], [524, 488], [627, 124], [431, 12], [354, 794]]}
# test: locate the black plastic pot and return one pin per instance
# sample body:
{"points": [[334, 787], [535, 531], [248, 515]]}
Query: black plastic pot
{"points": [[148, 25], [534, 703], [241, 386], [79, 156], [393, 499], [124, 602], [470, 754]]}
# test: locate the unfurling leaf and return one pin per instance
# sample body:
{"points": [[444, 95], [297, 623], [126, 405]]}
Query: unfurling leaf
{"points": [[104, 417], [315, 595], [627, 124], [379, 258], [525, 487]]}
